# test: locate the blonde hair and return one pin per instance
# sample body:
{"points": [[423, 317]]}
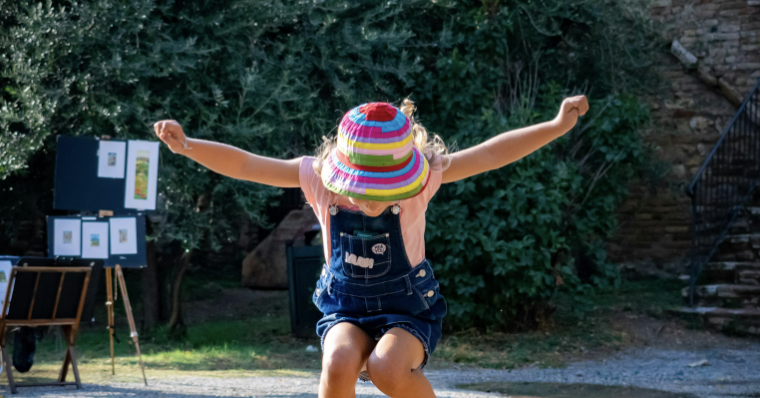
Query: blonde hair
{"points": [[429, 145]]}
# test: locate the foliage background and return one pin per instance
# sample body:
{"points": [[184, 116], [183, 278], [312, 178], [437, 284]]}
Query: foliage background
{"points": [[274, 76]]}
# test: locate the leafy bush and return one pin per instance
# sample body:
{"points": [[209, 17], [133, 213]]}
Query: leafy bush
{"points": [[504, 241], [274, 76]]}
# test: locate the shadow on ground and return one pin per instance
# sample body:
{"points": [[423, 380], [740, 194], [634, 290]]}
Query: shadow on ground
{"points": [[561, 390]]}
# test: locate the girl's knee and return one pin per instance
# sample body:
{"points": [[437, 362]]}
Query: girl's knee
{"points": [[342, 364], [388, 375]]}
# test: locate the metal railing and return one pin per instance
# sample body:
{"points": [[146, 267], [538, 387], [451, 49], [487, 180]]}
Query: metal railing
{"points": [[724, 184]]}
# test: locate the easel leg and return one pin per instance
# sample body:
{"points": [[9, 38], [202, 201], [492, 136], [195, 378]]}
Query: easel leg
{"points": [[70, 358], [109, 306], [65, 368], [7, 364], [130, 318]]}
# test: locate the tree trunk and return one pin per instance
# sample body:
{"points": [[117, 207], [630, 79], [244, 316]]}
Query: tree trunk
{"points": [[177, 327], [151, 297]]}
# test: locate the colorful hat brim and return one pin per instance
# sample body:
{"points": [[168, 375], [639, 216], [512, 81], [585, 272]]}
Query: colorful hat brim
{"points": [[383, 184]]}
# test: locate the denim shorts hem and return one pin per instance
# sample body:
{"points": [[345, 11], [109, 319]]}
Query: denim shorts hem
{"points": [[330, 326], [382, 331], [414, 332]]}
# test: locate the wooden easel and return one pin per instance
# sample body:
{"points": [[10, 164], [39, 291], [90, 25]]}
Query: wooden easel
{"points": [[15, 314], [127, 308]]}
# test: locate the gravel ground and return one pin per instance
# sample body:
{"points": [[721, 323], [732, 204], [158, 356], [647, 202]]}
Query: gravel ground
{"points": [[728, 373]]}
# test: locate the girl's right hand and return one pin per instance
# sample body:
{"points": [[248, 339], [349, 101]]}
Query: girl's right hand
{"points": [[170, 132]]}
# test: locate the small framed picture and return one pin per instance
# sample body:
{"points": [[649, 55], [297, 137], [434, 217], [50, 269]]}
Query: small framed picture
{"points": [[5, 273], [123, 235], [95, 239], [142, 175], [67, 233], [111, 159]]}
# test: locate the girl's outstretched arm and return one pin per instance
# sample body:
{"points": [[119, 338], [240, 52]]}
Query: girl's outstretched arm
{"points": [[513, 145], [228, 160]]}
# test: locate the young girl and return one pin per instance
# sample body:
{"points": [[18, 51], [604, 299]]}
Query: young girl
{"points": [[370, 189]]}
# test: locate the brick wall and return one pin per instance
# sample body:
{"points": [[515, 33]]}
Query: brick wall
{"points": [[687, 120]]}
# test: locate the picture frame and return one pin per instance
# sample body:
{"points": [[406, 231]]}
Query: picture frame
{"points": [[95, 240], [142, 175], [67, 235]]}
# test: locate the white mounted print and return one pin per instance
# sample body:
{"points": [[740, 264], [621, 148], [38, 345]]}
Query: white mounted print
{"points": [[5, 276], [111, 159], [142, 175], [94, 240], [67, 237], [123, 232]]}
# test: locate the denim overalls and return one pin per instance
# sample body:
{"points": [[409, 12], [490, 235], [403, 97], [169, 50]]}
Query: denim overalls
{"points": [[370, 283]]}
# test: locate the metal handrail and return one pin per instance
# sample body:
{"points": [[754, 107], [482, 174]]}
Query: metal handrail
{"points": [[724, 184]]}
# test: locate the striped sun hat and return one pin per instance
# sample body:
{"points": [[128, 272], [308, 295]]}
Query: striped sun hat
{"points": [[375, 158]]}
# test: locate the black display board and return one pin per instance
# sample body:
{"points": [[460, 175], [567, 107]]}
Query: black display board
{"points": [[12, 259], [77, 185], [138, 260]]}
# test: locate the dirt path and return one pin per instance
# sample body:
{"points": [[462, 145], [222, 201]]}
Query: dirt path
{"points": [[728, 372]]}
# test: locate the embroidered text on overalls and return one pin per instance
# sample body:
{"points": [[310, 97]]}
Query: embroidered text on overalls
{"points": [[360, 261]]}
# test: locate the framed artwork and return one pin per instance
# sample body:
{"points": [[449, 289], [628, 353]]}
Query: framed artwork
{"points": [[123, 231], [142, 175], [111, 158], [66, 241], [5, 275], [95, 240]]}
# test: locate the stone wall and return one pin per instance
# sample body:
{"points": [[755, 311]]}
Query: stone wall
{"points": [[687, 121]]}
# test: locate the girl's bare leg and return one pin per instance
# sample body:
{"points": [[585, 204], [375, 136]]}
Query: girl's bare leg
{"points": [[393, 364], [346, 348]]}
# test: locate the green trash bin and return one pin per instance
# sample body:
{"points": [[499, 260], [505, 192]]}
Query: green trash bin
{"points": [[304, 269]]}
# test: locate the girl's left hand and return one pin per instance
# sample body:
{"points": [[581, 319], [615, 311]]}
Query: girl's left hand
{"points": [[572, 108]]}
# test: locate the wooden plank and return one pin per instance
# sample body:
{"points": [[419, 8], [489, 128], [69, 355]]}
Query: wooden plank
{"points": [[75, 327], [40, 322], [65, 367], [51, 269], [58, 296], [7, 364], [34, 294], [74, 367]]}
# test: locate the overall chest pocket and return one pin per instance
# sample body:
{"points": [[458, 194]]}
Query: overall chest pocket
{"points": [[365, 257]]}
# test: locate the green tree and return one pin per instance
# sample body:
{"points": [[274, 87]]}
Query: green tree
{"points": [[271, 77], [274, 76]]}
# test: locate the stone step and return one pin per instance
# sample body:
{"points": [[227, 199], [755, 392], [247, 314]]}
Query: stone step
{"points": [[725, 295], [717, 311], [717, 272], [724, 291], [739, 247], [748, 277], [743, 320], [732, 265]]}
